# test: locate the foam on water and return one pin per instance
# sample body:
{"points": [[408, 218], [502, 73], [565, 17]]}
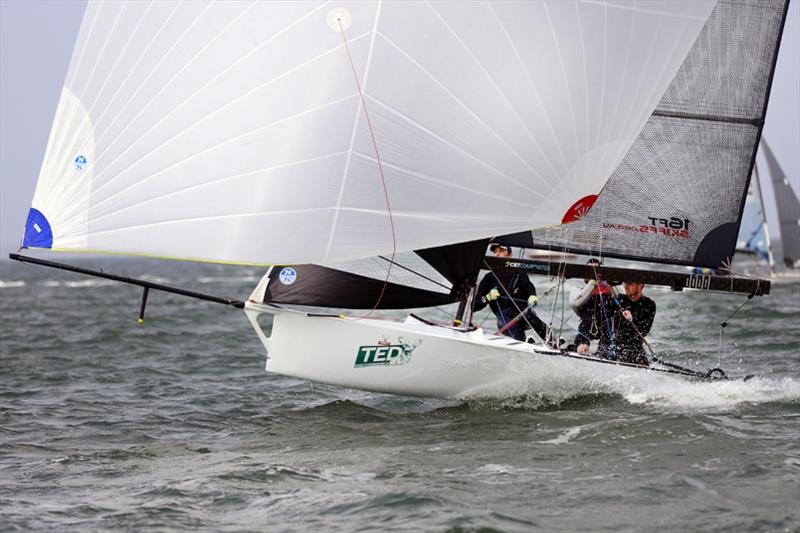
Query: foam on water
{"points": [[646, 389], [718, 395], [81, 284]]}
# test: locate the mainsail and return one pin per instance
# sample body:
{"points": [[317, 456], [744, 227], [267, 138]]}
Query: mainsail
{"points": [[678, 194], [788, 209], [234, 131]]}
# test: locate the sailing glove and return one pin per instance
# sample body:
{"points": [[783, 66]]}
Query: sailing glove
{"points": [[493, 295], [532, 300]]}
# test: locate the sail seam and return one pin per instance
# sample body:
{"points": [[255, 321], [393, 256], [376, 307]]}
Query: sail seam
{"points": [[758, 122], [228, 141], [446, 183], [456, 147], [606, 4], [497, 88], [463, 105], [355, 129], [531, 83]]}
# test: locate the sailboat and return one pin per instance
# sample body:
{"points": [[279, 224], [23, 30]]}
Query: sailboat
{"points": [[754, 236], [367, 152]]}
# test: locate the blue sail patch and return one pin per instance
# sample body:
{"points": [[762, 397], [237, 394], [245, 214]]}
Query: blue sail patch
{"points": [[37, 231]]}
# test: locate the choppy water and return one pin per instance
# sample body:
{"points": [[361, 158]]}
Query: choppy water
{"points": [[105, 424]]}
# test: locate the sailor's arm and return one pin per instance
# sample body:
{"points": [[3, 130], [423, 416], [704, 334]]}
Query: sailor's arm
{"points": [[583, 297], [484, 287]]}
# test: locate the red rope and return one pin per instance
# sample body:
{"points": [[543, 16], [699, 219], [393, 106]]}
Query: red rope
{"points": [[380, 169]]}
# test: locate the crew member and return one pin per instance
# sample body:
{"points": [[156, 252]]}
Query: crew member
{"points": [[507, 294], [631, 322], [590, 305]]}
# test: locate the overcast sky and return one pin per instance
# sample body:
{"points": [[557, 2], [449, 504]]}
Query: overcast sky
{"points": [[36, 41]]}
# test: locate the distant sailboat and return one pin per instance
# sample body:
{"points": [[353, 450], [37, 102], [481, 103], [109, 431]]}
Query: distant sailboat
{"points": [[754, 236], [370, 150]]}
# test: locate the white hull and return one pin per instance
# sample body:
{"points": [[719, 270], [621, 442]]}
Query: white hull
{"points": [[412, 358]]}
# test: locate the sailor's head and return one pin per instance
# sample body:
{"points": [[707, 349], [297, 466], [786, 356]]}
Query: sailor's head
{"points": [[500, 250], [595, 263], [634, 289]]}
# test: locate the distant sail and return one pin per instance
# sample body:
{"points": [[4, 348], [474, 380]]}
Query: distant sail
{"points": [[788, 209], [753, 233], [233, 132], [677, 195]]}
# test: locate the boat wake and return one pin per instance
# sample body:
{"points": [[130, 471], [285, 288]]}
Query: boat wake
{"points": [[717, 396]]}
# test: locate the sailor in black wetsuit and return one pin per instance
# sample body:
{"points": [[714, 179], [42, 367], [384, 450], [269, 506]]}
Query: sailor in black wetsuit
{"points": [[623, 339], [495, 289], [593, 303]]}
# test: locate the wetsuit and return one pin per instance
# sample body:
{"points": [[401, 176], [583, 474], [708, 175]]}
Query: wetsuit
{"points": [[519, 286], [622, 341], [587, 305]]}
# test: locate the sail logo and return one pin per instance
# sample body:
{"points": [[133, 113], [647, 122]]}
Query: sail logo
{"points": [[385, 353], [667, 227], [80, 162], [288, 276]]}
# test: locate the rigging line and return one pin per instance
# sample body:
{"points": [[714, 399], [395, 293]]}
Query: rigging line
{"points": [[380, 170], [448, 314], [351, 144], [423, 276], [724, 323]]}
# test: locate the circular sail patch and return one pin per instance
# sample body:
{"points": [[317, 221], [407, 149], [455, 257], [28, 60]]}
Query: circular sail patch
{"points": [[579, 209]]}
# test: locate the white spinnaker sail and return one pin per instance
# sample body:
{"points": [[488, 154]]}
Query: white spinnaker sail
{"points": [[233, 131]]}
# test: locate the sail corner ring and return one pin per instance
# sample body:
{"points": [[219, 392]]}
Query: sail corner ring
{"points": [[339, 19]]}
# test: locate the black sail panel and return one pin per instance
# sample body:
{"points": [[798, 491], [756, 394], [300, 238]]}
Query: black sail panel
{"points": [[677, 197], [425, 278], [459, 263], [320, 286]]}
